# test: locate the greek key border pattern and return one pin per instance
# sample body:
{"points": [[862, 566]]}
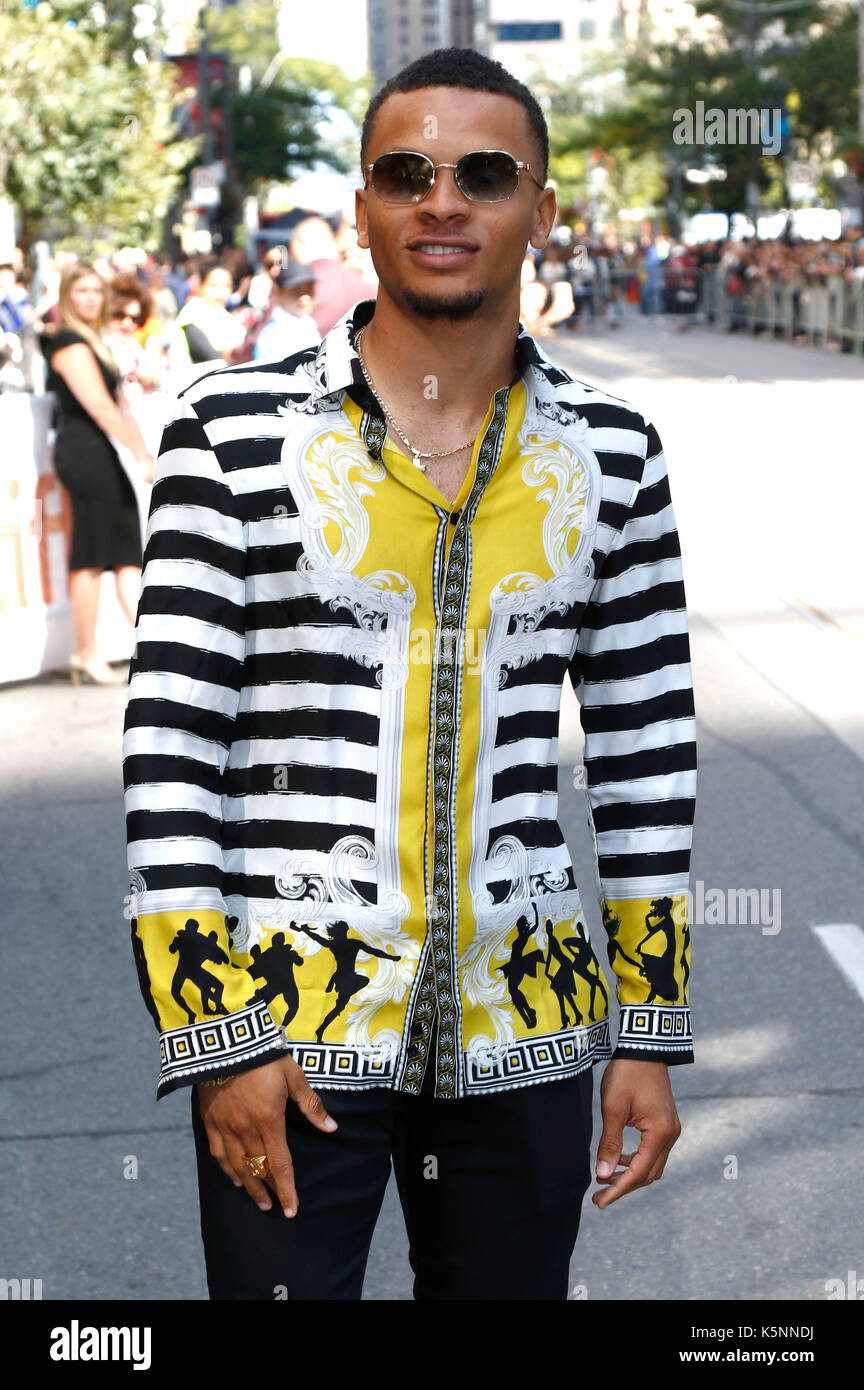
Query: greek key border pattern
{"points": [[655, 1026], [217, 1042], [558, 1055]]}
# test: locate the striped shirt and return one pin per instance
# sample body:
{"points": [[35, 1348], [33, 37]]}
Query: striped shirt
{"points": [[340, 752]]}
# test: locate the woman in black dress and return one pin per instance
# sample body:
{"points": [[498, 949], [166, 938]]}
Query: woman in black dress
{"points": [[106, 532]]}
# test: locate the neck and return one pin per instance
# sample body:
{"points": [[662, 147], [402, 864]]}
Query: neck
{"points": [[423, 363]]}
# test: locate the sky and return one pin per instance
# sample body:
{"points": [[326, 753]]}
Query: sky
{"points": [[334, 30]]}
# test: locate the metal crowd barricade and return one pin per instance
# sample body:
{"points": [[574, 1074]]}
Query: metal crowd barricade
{"points": [[827, 315], [709, 307], [851, 330], [814, 313]]}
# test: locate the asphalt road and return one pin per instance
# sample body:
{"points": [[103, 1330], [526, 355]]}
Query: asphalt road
{"points": [[761, 1196]]}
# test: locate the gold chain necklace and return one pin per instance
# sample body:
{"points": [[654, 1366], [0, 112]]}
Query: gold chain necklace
{"points": [[418, 453]]}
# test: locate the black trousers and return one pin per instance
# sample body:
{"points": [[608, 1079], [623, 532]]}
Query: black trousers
{"points": [[491, 1189]]}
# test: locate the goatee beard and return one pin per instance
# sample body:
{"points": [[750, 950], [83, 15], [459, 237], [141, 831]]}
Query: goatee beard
{"points": [[429, 306]]}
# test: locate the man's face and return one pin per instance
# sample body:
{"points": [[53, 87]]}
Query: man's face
{"points": [[445, 123]]}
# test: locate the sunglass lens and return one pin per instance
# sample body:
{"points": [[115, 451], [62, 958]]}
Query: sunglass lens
{"points": [[487, 178], [402, 178]]}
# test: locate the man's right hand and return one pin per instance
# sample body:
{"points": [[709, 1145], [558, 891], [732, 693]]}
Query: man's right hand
{"points": [[247, 1116]]}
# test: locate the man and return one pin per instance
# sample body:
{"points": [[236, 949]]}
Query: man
{"points": [[289, 327], [368, 570], [337, 286]]}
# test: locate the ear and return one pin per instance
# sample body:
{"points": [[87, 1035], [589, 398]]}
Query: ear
{"points": [[545, 211], [360, 218]]}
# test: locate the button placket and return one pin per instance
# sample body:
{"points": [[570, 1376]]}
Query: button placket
{"points": [[454, 607]]}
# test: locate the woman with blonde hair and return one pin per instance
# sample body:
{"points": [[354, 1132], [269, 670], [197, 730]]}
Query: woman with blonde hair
{"points": [[106, 531]]}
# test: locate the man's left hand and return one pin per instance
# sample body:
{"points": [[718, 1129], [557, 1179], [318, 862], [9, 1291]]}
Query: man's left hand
{"points": [[637, 1094]]}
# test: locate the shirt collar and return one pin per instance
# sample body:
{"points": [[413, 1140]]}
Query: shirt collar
{"points": [[337, 363]]}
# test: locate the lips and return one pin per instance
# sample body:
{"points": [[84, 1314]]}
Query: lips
{"points": [[443, 253]]}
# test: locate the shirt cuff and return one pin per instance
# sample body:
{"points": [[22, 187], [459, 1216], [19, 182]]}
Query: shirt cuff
{"points": [[655, 1033], [218, 1047]]}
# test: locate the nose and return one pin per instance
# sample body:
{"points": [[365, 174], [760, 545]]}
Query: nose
{"points": [[445, 198]]}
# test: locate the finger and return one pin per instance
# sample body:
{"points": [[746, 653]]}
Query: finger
{"points": [[238, 1146], [609, 1147], [624, 1160], [219, 1153], [636, 1175], [642, 1164], [657, 1170], [281, 1164], [667, 1136], [309, 1102]]}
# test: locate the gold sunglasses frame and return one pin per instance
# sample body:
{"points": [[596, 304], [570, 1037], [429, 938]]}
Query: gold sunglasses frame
{"points": [[412, 202]]}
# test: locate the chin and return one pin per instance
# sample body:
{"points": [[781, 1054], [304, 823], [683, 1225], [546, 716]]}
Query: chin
{"points": [[438, 306]]}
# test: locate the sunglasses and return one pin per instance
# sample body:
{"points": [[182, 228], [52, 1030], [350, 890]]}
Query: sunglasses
{"points": [[124, 314], [484, 176]]}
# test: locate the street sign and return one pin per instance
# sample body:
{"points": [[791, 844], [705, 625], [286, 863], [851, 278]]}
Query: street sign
{"points": [[204, 186], [802, 171]]}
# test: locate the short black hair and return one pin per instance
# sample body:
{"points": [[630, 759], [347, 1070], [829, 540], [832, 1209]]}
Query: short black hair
{"points": [[460, 67], [208, 264]]}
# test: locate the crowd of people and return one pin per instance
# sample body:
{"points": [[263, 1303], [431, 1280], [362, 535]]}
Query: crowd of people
{"points": [[167, 321], [115, 339], [575, 279], [112, 341]]}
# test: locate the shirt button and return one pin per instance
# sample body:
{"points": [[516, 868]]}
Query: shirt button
{"points": [[454, 516]]}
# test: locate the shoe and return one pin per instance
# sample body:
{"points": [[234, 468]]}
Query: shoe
{"points": [[99, 671]]}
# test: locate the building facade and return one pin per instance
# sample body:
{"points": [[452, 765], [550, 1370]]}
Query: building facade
{"points": [[402, 30]]}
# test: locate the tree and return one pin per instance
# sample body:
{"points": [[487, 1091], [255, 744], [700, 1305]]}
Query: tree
{"points": [[283, 108], [88, 151], [129, 27], [753, 57], [573, 110], [759, 56]]}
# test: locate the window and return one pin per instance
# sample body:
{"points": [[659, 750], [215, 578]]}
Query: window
{"points": [[587, 29], [526, 33]]}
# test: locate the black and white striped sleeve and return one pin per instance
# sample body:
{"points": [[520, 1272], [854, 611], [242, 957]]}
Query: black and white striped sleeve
{"points": [[632, 674], [185, 680]]}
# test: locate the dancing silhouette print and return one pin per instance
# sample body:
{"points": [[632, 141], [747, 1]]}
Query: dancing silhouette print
{"points": [[275, 966], [564, 980], [659, 971], [192, 950], [519, 965], [346, 979], [612, 923], [578, 966]]}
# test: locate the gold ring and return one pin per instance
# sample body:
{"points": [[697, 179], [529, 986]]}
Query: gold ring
{"points": [[257, 1165]]}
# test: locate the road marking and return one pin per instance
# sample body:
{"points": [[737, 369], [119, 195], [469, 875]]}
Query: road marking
{"points": [[844, 943]]}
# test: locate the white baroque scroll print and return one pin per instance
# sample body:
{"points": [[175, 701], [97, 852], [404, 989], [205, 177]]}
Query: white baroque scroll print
{"points": [[332, 897], [567, 477], [328, 464], [317, 461], [317, 464]]}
